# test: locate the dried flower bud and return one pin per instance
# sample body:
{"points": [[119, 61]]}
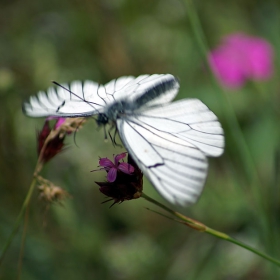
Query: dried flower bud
{"points": [[53, 146], [49, 193], [127, 183], [67, 125], [50, 141]]}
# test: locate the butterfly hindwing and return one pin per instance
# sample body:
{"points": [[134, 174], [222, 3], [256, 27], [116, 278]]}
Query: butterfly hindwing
{"points": [[170, 145]]}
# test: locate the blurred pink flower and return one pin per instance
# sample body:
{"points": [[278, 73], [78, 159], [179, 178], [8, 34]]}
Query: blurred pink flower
{"points": [[241, 57]]}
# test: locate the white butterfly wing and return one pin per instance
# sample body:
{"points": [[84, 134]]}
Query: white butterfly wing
{"points": [[140, 85], [90, 98], [189, 120], [170, 145], [76, 99]]}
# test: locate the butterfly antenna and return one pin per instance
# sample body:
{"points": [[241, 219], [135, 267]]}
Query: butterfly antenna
{"points": [[74, 136]]}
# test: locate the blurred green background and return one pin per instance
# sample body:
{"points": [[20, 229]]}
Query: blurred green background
{"points": [[41, 41]]}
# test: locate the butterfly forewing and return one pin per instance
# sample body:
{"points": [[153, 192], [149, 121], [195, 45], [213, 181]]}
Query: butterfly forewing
{"points": [[118, 86], [65, 100], [90, 98], [143, 85]]}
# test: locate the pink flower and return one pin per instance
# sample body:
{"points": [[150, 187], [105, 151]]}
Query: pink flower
{"points": [[127, 185], [59, 122], [241, 57], [112, 168]]}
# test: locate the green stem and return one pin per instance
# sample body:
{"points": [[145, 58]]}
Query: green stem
{"points": [[38, 168], [191, 222], [18, 220], [23, 241], [229, 112], [203, 228], [235, 130]]}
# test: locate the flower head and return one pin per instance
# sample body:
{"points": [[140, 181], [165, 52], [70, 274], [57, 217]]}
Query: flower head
{"points": [[240, 58], [113, 167], [48, 146], [128, 179], [49, 193], [51, 140], [52, 193]]}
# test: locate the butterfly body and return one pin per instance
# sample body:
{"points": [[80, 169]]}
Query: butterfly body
{"points": [[169, 142], [117, 110]]}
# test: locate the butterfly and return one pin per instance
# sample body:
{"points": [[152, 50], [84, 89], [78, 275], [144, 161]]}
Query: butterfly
{"points": [[169, 141]]}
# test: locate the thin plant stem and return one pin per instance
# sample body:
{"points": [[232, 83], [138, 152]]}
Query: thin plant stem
{"points": [[203, 228], [38, 168], [237, 134], [228, 110], [18, 220], [23, 241], [39, 165]]}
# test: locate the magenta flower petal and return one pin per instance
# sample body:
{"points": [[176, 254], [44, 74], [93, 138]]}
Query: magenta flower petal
{"points": [[227, 68], [112, 174], [256, 51], [241, 57], [105, 162], [115, 170], [260, 58], [59, 122], [126, 168], [119, 157]]}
